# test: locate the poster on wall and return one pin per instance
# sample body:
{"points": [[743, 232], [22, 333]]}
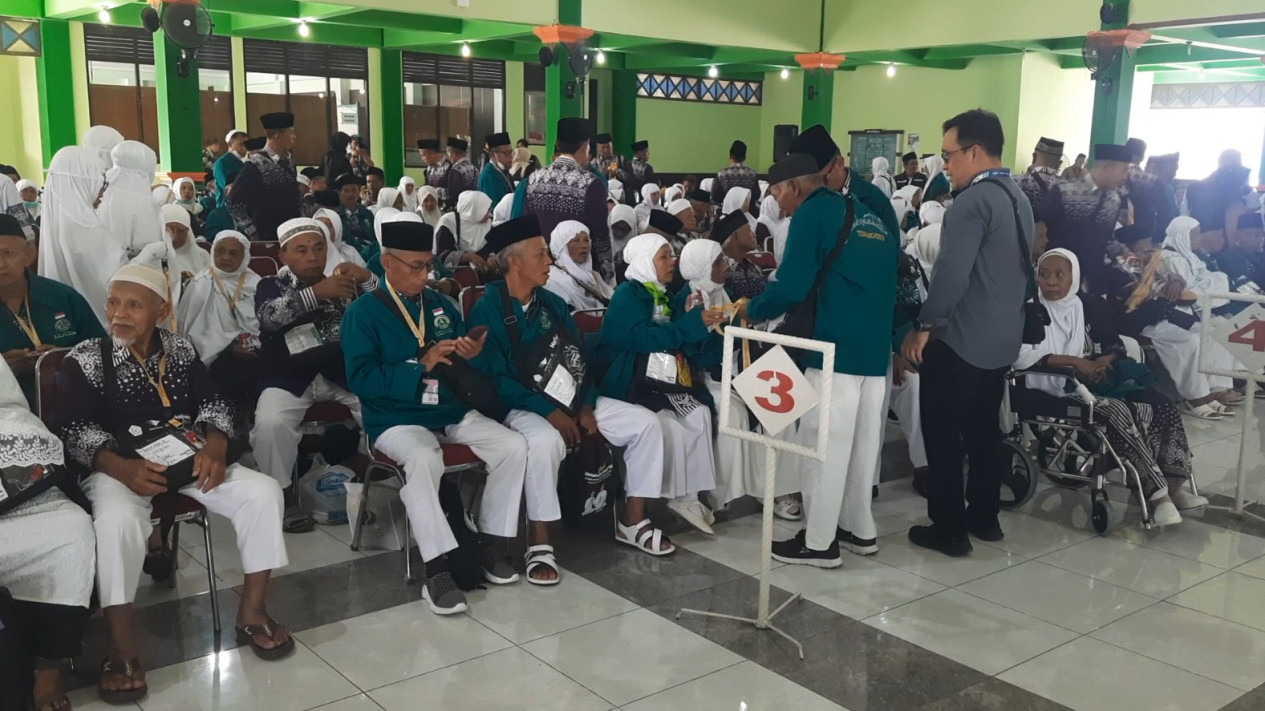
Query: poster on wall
{"points": [[349, 119], [914, 140]]}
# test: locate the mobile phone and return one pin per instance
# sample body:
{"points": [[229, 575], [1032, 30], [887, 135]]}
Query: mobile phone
{"points": [[477, 332]]}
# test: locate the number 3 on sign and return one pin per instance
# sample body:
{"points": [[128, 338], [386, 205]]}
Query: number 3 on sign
{"points": [[1252, 335], [780, 389]]}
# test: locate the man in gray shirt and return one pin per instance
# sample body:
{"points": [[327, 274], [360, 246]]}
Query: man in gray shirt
{"points": [[968, 334]]}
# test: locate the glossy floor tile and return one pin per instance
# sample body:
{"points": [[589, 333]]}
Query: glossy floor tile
{"points": [[742, 686], [1201, 542], [860, 588], [306, 551], [1231, 596], [896, 550], [359, 702], [1032, 537], [1139, 568], [737, 543], [1088, 675], [522, 613]]}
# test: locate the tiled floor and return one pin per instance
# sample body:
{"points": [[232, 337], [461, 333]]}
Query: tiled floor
{"points": [[1053, 617]]}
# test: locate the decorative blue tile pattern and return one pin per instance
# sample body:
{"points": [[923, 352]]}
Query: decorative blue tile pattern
{"points": [[685, 88]]}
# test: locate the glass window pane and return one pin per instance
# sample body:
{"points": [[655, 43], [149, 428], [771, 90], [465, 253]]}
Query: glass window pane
{"points": [[454, 111], [534, 119], [421, 95], [350, 107], [111, 73], [310, 105], [217, 102], [149, 76]]}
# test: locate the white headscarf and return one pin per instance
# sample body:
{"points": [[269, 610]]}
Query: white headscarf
{"points": [[562, 235], [933, 166], [383, 215], [189, 258], [161, 195], [203, 314], [931, 212], [336, 250], [1066, 333], [575, 282], [501, 214], [626, 215], [430, 217], [882, 176], [615, 189], [101, 140], [472, 209], [23, 184], [670, 195], [1180, 258], [410, 196], [763, 185], [697, 259], [734, 200], [76, 247], [386, 198], [647, 194], [770, 214], [192, 205], [639, 254], [127, 207], [679, 206], [706, 184], [926, 248]]}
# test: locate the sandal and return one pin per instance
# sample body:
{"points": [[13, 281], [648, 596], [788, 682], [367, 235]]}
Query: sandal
{"points": [[1204, 412], [1225, 410], [128, 669], [55, 700], [158, 563], [787, 509], [296, 521], [246, 635], [538, 556], [643, 537]]}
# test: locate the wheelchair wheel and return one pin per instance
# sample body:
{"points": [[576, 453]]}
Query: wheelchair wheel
{"points": [[1052, 462], [1102, 514], [1019, 481]]}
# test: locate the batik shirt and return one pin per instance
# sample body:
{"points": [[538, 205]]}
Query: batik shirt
{"points": [[89, 421], [437, 178], [265, 194], [1036, 182], [642, 172], [623, 170], [565, 191], [460, 177], [735, 176], [1081, 218]]}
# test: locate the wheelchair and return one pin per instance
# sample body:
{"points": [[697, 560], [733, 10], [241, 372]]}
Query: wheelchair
{"points": [[1064, 439]]}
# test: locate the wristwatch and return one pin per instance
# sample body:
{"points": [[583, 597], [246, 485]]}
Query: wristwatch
{"points": [[921, 327]]}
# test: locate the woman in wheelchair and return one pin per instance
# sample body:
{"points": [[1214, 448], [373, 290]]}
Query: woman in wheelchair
{"points": [[1143, 427]]}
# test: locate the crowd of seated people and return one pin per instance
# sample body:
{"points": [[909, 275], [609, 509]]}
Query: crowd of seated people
{"points": [[172, 334]]}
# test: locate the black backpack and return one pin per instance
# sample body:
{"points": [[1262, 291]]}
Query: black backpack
{"points": [[466, 561]]}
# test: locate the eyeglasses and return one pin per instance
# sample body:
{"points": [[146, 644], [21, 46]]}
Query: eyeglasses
{"points": [[416, 268], [946, 155]]}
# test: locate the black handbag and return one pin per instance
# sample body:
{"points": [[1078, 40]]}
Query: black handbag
{"points": [[1035, 316], [19, 485], [470, 386], [551, 359], [587, 485]]}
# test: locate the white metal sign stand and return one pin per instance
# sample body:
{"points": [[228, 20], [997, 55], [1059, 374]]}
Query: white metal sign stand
{"points": [[1244, 337], [782, 390]]}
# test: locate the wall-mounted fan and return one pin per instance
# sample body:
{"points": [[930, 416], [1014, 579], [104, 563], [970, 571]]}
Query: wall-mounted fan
{"points": [[1100, 57], [185, 23]]}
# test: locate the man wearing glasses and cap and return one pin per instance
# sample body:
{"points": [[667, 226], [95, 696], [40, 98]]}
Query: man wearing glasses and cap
{"points": [[494, 179]]}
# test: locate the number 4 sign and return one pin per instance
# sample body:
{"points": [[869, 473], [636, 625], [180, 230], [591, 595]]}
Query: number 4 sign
{"points": [[775, 390], [1244, 336]]}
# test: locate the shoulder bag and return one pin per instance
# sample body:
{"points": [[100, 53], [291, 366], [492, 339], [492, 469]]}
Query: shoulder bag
{"points": [[1035, 316]]}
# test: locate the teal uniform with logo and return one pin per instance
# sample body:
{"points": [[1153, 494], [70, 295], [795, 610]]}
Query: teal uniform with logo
{"points": [[228, 164], [547, 312], [875, 200], [629, 329], [380, 354], [858, 299], [61, 317], [709, 353], [493, 183]]}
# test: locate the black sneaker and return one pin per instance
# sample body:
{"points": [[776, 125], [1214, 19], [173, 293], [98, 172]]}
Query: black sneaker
{"points": [[443, 595], [956, 545], [992, 534], [795, 551], [859, 546], [921, 482]]}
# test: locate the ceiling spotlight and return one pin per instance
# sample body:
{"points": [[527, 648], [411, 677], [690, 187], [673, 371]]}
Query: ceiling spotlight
{"points": [[891, 70], [713, 72], [104, 15], [601, 57], [786, 73], [304, 30], [465, 49]]}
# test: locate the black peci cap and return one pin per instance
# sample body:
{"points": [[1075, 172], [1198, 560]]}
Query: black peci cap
{"points": [[511, 232], [277, 121], [816, 141], [408, 235]]}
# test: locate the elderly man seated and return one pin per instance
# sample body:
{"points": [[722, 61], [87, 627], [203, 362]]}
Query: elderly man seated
{"points": [[554, 407], [299, 313], [405, 346], [139, 411]]}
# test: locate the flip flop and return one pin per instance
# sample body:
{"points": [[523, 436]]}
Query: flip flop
{"points": [[246, 635], [129, 669], [295, 521]]}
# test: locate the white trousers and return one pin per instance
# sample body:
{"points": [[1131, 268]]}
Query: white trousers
{"points": [[417, 450], [903, 400], [622, 424], [275, 438], [837, 491], [689, 464], [121, 517], [740, 464]]}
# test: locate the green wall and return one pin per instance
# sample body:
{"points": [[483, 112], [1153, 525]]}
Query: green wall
{"points": [[919, 100], [790, 25], [1057, 103], [783, 102], [693, 137]]}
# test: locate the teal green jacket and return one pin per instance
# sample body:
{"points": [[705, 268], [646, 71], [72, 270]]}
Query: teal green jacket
{"points": [[858, 299], [217, 221], [382, 369], [61, 317], [497, 358], [493, 183], [208, 203], [226, 165], [519, 207], [374, 265], [940, 186], [705, 354], [358, 230], [874, 199], [629, 330]]}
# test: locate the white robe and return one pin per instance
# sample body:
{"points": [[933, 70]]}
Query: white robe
{"points": [[190, 258], [127, 207], [204, 316]]}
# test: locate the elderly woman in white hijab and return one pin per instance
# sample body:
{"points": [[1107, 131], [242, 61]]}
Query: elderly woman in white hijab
{"points": [[408, 192], [77, 248], [177, 254], [938, 187], [737, 199], [639, 348], [30, 194], [101, 140], [337, 251], [501, 214], [572, 276], [126, 206], [623, 225], [428, 205], [1138, 430], [882, 176], [463, 233], [388, 197], [47, 560], [186, 194], [770, 217], [651, 199], [615, 189], [217, 310]]}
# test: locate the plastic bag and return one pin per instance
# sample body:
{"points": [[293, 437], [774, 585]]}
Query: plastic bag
{"points": [[321, 492]]}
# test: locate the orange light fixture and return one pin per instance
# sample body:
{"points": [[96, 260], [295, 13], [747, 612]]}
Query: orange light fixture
{"points": [[819, 60], [562, 34], [1128, 39]]}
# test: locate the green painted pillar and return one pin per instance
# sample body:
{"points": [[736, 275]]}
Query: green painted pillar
{"points": [[179, 111], [1113, 92], [624, 110], [391, 143], [819, 94], [564, 97], [54, 77]]}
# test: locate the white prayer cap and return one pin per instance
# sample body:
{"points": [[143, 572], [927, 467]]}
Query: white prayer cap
{"points": [[228, 137], [172, 212], [147, 277], [232, 234], [298, 226], [678, 206], [303, 179], [23, 184]]}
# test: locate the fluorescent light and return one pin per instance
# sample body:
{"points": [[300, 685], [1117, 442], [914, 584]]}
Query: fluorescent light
{"points": [[891, 70], [786, 73], [104, 16], [304, 30], [601, 57], [713, 72], [465, 49]]}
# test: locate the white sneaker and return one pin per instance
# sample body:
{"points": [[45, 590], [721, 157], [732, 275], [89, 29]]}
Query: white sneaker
{"points": [[1185, 501], [694, 513], [1165, 514]]}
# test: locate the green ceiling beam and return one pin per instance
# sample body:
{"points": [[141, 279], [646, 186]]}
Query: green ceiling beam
{"points": [[967, 51], [319, 33], [1242, 29], [1178, 53], [379, 19], [24, 8], [1236, 64]]}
